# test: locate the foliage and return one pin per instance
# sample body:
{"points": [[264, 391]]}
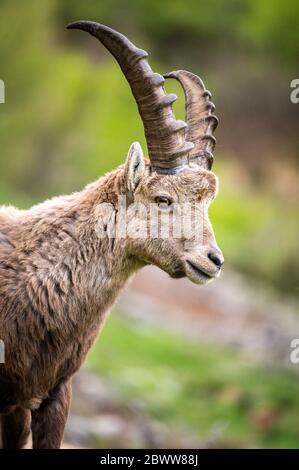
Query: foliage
{"points": [[182, 383]]}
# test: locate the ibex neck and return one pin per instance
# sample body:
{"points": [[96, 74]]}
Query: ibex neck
{"points": [[78, 267]]}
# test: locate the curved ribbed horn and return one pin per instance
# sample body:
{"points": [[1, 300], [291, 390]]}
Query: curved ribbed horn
{"points": [[165, 136], [199, 116]]}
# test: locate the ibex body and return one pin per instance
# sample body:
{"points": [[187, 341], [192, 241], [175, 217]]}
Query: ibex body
{"points": [[58, 276]]}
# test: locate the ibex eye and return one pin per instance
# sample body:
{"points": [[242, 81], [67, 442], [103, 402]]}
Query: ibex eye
{"points": [[163, 202]]}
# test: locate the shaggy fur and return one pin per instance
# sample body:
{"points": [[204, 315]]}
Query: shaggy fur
{"points": [[58, 279]]}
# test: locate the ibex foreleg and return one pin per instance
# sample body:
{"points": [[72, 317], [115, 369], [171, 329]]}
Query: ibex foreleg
{"points": [[48, 421], [15, 428]]}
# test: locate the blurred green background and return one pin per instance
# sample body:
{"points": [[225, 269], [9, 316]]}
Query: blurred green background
{"points": [[69, 117]]}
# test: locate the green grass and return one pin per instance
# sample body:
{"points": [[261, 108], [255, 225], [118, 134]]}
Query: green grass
{"points": [[195, 386]]}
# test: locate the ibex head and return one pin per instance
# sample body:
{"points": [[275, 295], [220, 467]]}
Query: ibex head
{"points": [[177, 180]]}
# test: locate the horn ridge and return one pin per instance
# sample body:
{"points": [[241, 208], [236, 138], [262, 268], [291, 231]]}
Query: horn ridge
{"points": [[199, 116]]}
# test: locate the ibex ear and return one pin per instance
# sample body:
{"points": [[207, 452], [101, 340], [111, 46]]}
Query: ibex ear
{"points": [[135, 166]]}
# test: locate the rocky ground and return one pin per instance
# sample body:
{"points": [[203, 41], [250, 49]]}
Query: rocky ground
{"points": [[101, 418], [231, 311]]}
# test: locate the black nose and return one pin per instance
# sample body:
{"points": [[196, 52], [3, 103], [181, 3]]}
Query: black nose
{"points": [[216, 257]]}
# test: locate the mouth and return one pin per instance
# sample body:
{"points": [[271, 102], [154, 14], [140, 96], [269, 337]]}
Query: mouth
{"points": [[194, 272], [198, 270], [197, 274]]}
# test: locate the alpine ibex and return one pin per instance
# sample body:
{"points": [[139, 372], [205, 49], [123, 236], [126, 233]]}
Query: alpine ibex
{"points": [[58, 277]]}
